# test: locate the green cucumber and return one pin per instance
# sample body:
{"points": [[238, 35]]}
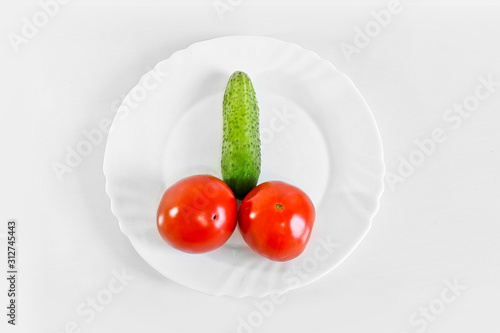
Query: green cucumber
{"points": [[241, 140]]}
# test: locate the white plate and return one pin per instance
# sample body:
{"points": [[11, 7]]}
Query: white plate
{"points": [[317, 133]]}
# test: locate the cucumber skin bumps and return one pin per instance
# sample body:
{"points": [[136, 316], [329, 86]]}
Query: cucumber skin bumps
{"points": [[241, 159]]}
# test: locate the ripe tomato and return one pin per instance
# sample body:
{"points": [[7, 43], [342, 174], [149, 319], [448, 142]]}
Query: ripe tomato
{"points": [[197, 214], [276, 219]]}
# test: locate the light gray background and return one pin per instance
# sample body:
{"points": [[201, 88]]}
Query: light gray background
{"points": [[441, 224]]}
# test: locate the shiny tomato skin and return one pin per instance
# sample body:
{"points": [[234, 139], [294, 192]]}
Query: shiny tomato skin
{"points": [[197, 214], [276, 220]]}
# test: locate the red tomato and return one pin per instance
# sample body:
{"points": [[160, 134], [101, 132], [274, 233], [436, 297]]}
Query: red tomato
{"points": [[276, 220], [197, 214]]}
